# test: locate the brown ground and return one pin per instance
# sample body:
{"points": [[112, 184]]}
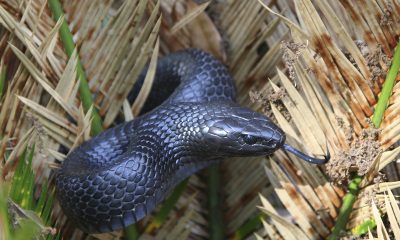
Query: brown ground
{"points": [[378, 62], [364, 149], [291, 52], [267, 97]]}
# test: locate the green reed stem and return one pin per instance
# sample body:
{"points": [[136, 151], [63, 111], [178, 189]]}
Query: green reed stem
{"points": [[215, 203], [354, 186], [3, 74], [169, 204], [248, 227], [69, 46]]}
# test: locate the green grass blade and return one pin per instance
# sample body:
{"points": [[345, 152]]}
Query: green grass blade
{"points": [[17, 181], [167, 207], [55, 237], [3, 74], [27, 230], [364, 227], [69, 46], [131, 232], [28, 181], [23, 180], [387, 89], [22, 193], [46, 213], [215, 203], [42, 199], [346, 208], [5, 230], [248, 227]]}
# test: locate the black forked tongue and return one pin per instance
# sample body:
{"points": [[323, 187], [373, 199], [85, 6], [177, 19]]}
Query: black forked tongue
{"points": [[305, 157]]}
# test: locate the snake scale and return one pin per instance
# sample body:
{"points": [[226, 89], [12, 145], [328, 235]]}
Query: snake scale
{"points": [[118, 177]]}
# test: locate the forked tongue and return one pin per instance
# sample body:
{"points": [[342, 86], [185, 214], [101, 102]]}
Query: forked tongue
{"points": [[305, 157]]}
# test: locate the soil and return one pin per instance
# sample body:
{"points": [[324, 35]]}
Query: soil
{"points": [[41, 135], [363, 150], [387, 17], [270, 96], [292, 52], [378, 62]]}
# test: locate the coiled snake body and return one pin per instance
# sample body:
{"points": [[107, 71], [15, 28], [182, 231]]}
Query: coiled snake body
{"points": [[119, 176]]}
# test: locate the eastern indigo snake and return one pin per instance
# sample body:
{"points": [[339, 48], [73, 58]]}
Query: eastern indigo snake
{"points": [[119, 176]]}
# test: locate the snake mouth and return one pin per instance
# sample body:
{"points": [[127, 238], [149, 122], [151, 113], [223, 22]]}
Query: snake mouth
{"points": [[306, 157]]}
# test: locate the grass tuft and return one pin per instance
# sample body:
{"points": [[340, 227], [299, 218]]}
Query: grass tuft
{"points": [[22, 216], [354, 186]]}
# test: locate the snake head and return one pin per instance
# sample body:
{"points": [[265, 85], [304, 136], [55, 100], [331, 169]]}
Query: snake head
{"points": [[241, 132]]}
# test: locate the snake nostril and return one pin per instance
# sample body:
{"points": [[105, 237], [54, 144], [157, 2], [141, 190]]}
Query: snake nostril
{"points": [[273, 145], [278, 139]]}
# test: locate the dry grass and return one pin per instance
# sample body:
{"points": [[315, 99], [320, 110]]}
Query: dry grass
{"points": [[316, 67]]}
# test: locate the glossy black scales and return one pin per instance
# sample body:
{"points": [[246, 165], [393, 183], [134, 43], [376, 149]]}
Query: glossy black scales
{"points": [[119, 176]]}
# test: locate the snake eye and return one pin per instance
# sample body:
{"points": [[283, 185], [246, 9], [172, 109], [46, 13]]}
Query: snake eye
{"points": [[249, 139]]}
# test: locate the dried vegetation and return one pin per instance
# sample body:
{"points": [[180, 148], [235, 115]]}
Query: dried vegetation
{"points": [[316, 67]]}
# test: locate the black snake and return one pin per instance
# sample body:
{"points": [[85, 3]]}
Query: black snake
{"points": [[119, 176]]}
